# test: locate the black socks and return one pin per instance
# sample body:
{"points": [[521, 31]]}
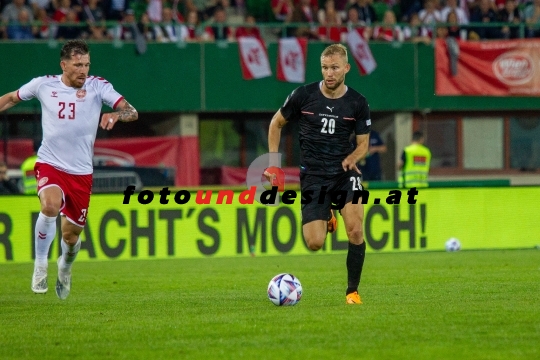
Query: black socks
{"points": [[355, 262]]}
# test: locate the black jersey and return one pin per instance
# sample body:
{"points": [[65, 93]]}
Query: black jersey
{"points": [[326, 126]]}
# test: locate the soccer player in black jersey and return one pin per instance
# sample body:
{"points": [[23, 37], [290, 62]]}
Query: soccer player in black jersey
{"points": [[327, 113]]}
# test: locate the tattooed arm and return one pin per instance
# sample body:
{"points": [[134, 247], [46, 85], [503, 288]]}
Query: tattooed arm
{"points": [[125, 112]]}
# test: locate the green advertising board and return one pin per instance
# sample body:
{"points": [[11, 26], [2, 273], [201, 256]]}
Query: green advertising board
{"points": [[481, 218]]}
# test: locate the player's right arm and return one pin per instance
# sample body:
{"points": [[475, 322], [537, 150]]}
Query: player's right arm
{"points": [[274, 133], [9, 100], [274, 136]]}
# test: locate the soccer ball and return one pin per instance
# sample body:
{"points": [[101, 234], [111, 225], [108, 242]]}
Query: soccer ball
{"points": [[285, 290], [452, 244]]}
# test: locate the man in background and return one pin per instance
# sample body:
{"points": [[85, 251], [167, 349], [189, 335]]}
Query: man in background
{"points": [[28, 174], [7, 186], [370, 166], [414, 164]]}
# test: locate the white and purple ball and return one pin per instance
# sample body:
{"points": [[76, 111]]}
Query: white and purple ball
{"points": [[452, 244], [285, 290]]}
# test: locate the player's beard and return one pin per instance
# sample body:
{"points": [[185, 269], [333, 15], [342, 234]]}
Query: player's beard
{"points": [[337, 83]]}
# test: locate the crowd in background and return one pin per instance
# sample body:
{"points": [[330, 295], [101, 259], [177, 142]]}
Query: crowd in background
{"points": [[210, 20]]}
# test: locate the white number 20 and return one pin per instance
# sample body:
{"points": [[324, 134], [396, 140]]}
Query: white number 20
{"points": [[331, 124], [356, 183]]}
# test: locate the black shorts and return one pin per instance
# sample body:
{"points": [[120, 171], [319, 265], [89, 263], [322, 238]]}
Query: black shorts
{"points": [[339, 190]]}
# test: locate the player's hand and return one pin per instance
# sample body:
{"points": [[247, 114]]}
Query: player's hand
{"points": [[269, 176], [108, 121], [350, 164]]}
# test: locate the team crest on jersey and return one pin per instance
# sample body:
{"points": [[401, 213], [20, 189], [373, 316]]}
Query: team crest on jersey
{"points": [[81, 93], [43, 181]]}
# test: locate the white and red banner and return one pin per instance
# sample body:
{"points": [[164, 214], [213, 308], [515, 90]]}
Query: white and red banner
{"points": [[179, 152], [488, 68], [359, 48], [291, 64], [253, 58]]}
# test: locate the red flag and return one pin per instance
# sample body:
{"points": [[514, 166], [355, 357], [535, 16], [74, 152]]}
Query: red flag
{"points": [[253, 58], [291, 64], [361, 52]]}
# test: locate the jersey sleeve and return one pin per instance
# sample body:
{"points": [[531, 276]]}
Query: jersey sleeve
{"points": [[109, 96], [29, 90], [291, 110], [363, 118]]}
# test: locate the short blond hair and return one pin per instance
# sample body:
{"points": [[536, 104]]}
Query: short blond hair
{"points": [[336, 49]]}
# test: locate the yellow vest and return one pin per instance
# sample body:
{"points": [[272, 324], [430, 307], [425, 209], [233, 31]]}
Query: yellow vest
{"points": [[28, 175], [416, 168]]}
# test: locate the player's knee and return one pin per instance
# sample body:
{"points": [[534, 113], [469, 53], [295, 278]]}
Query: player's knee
{"points": [[50, 208], [355, 235], [70, 237], [314, 243]]}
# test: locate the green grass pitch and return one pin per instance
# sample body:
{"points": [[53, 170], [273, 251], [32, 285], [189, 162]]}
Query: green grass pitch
{"points": [[432, 305]]}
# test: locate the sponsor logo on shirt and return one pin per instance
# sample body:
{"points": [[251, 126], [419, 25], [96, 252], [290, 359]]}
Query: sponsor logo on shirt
{"points": [[54, 94]]}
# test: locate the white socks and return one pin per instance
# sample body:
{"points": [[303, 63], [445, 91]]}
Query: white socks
{"points": [[69, 253], [45, 233]]}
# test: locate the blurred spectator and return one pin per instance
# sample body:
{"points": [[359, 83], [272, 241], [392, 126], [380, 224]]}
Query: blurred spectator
{"points": [[415, 32], [126, 28], [409, 7], [11, 11], [452, 5], [180, 9], [46, 5], [219, 30], [366, 12], [430, 14], [282, 9], [240, 7], [45, 31], [7, 186], [250, 30], [94, 17], [69, 28], [388, 30], [353, 22], [453, 28], [331, 26], [21, 29], [532, 19], [155, 10], [510, 14], [62, 10], [303, 13], [321, 13], [224, 4], [484, 13], [146, 29], [115, 9], [192, 24], [200, 6], [168, 30]]}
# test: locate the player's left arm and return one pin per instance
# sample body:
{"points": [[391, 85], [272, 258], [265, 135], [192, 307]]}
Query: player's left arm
{"points": [[362, 144], [125, 113]]}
